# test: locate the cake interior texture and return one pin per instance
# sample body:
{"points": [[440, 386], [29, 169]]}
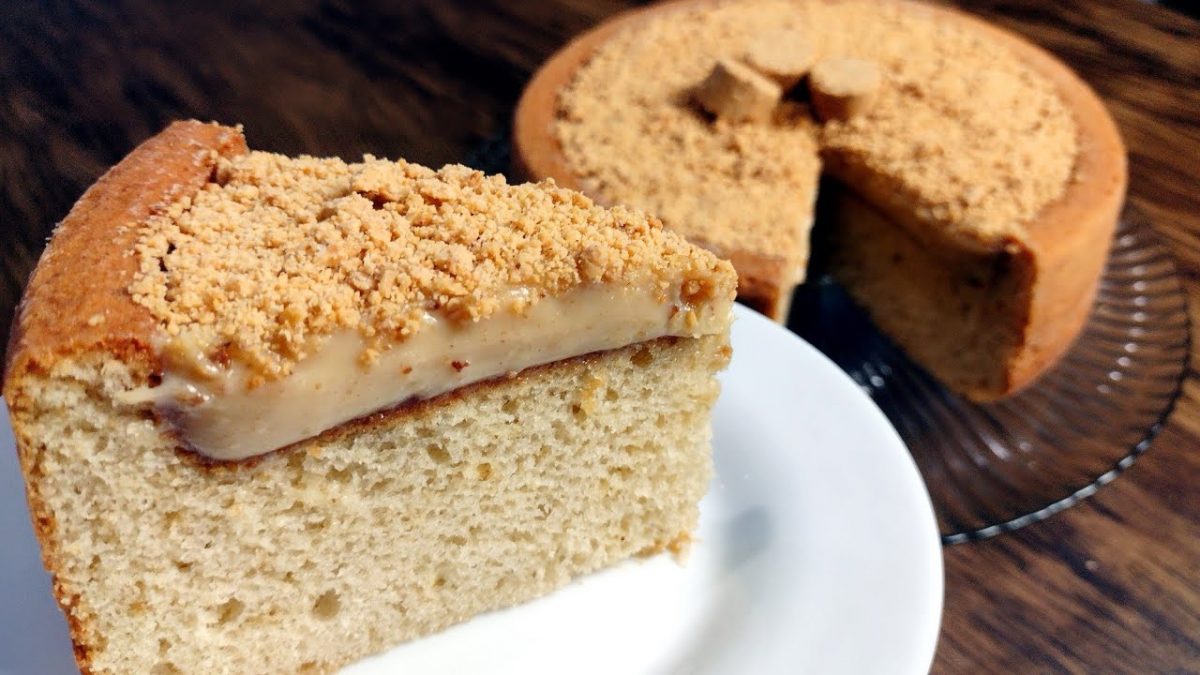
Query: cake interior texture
{"points": [[306, 559], [956, 312]]}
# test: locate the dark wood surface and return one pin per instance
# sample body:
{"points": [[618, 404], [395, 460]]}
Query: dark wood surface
{"points": [[1112, 585]]}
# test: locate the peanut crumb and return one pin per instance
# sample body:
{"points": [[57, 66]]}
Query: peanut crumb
{"points": [[642, 141], [277, 253], [785, 55], [737, 93], [843, 88]]}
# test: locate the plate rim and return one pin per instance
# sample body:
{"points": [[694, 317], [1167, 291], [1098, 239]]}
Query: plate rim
{"points": [[929, 633]]}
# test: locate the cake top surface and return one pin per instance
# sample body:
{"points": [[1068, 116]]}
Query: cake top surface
{"points": [[629, 130], [971, 136], [277, 252]]}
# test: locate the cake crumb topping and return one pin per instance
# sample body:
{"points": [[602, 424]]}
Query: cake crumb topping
{"points": [[277, 252], [843, 88], [736, 92], [784, 55], [973, 138]]}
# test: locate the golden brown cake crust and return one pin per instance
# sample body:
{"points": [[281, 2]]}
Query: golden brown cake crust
{"points": [[89, 250]]}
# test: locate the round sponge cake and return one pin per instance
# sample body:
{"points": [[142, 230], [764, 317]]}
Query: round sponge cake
{"points": [[980, 152]]}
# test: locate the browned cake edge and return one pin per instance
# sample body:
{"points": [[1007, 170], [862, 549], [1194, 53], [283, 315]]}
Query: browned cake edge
{"points": [[91, 249], [1062, 270], [76, 300]]}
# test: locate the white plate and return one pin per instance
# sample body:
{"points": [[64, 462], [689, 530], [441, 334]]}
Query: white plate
{"points": [[817, 553]]}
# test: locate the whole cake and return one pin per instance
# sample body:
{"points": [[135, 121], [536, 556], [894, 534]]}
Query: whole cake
{"points": [[275, 414], [977, 180]]}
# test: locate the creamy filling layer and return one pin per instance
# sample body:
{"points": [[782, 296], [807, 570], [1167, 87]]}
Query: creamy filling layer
{"points": [[223, 414]]}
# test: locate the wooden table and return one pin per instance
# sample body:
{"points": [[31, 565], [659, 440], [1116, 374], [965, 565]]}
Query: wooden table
{"points": [[1112, 585]]}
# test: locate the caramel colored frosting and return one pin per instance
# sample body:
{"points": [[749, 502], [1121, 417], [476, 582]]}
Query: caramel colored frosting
{"points": [[221, 415], [293, 295]]}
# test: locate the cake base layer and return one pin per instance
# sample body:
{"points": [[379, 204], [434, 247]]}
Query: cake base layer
{"points": [[383, 530]]}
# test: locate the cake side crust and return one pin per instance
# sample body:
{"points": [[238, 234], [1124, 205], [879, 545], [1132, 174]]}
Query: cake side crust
{"points": [[56, 321]]}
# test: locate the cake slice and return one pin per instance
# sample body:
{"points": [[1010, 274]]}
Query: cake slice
{"points": [[276, 414]]}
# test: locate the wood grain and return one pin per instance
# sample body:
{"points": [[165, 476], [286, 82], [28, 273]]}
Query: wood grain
{"points": [[1112, 585]]}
